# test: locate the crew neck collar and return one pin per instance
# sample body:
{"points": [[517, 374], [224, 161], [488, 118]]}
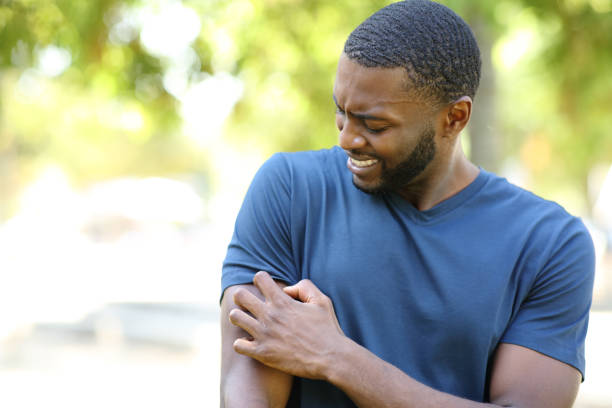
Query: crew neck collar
{"points": [[439, 210]]}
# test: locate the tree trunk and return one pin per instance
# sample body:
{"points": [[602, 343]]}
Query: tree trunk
{"points": [[485, 142]]}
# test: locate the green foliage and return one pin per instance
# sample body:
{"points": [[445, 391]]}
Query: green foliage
{"points": [[106, 115], [288, 51], [554, 99], [110, 114]]}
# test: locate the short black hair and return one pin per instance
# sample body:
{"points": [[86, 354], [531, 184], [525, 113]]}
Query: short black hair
{"points": [[435, 46]]}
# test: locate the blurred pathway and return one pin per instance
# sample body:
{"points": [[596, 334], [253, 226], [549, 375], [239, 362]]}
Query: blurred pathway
{"points": [[596, 391]]}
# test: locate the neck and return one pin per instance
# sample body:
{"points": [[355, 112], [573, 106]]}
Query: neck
{"points": [[441, 180]]}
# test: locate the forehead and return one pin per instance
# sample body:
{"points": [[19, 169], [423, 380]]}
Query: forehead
{"points": [[356, 83]]}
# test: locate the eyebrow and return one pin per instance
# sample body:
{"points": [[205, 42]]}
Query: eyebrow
{"points": [[360, 116]]}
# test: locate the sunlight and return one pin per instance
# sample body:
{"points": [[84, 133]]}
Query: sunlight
{"points": [[207, 104], [601, 209], [53, 61], [168, 28], [515, 47]]}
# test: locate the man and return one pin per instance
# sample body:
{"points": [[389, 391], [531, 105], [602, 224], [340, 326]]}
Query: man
{"points": [[417, 279]]}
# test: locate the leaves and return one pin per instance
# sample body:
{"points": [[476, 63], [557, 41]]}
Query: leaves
{"points": [[117, 107]]}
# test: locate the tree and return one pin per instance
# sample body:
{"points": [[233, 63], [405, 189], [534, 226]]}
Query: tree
{"points": [[117, 104]]}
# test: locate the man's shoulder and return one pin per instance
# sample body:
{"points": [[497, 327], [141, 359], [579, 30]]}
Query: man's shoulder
{"points": [[305, 165], [523, 207], [310, 158], [508, 193]]}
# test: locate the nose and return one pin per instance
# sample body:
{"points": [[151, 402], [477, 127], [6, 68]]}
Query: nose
{"points": [[349, 137]]}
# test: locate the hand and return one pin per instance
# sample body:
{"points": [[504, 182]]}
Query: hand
{"points": [[294, 330]]}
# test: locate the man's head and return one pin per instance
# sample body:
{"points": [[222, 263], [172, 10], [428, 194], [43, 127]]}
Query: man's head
{"points": [[404, 90], [432, 43]]}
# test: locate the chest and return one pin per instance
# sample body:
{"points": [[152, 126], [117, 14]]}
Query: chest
{"points": [[393, 281]]}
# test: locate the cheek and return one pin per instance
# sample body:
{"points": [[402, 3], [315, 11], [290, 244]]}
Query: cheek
{"points": [[394, 147]]}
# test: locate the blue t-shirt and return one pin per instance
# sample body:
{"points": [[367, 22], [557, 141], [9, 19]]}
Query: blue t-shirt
{"points": [[432, 292]]}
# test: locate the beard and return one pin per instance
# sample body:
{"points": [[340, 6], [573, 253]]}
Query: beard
{"points": [[398, 177]]}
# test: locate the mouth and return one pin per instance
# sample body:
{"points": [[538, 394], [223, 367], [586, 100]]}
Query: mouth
{"points": [[364, 167], [362, 163]]}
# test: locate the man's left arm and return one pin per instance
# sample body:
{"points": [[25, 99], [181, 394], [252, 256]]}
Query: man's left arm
{"points": [[295, 330], [520, 378]]}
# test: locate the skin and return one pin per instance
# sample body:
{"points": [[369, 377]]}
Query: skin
{"points": [[379, 118], [245, 382], [295, 331], [279, 332]]}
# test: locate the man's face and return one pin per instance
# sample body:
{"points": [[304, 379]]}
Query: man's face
{"points": [[388, 135]]}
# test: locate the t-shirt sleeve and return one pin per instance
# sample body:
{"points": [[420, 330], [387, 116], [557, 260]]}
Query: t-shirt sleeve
{"points": [[262, 233], [554, 316]]}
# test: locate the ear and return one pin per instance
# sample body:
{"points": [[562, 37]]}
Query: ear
{"points": [[457, 116]]}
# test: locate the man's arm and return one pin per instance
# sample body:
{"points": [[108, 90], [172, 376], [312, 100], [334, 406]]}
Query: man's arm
{"points": [[520, 378], [302, 337], [246, 382]]}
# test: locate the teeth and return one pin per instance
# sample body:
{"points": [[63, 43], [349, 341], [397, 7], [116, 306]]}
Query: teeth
{"points": [[363, 163]]}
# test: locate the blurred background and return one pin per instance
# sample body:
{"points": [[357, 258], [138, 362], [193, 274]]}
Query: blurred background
{"points": [[129, 131]]}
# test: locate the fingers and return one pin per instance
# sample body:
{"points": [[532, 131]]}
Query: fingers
{"points": [[267, 286], [244, 346], [247, 323], [292, 291], [305, 291], [248, 301]]}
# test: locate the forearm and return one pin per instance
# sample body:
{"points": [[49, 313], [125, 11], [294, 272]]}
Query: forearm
{"points": [[371, 382]]}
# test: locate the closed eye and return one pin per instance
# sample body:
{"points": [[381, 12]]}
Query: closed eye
{"points": [[375, 126], [375, 130], [363, 118]]}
